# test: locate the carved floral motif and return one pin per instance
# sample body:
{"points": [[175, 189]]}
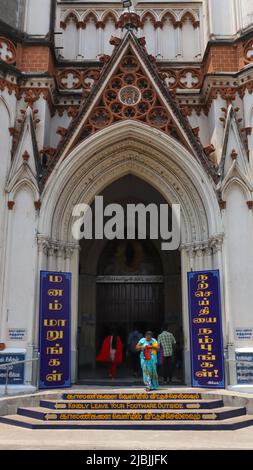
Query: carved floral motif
{"points": [[74, 79], [187, 78], [248, 51], [7, 51]]}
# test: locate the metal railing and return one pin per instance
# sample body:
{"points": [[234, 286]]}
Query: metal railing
{"points": [[9, 366]]}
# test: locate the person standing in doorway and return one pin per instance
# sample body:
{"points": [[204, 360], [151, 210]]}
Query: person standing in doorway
{"points": [[149, 347], [133, 339], [111, 351], [167, 342]]}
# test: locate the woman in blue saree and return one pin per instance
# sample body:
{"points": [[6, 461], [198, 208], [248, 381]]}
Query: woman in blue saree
{"points": [[148, 348]]}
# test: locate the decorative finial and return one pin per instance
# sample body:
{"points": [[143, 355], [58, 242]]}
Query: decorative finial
{"points": [[129, 19]]}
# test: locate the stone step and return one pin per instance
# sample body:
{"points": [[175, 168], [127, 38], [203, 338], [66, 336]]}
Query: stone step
{"points": [[130, 405], [137, 415], [229, 424], [131, 396]]}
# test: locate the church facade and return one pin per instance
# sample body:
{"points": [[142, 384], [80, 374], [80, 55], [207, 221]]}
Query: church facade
{"points": [[152, 103]]}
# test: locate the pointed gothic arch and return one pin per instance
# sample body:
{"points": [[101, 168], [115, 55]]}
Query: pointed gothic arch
{"points": [[110, 14], [118, 150], [189, 15], [90, 16], [70, 16], [168, 14], [148, 15], [239, 181]]}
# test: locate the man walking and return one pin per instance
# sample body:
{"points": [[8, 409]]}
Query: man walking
{"points": [[167, 342]]}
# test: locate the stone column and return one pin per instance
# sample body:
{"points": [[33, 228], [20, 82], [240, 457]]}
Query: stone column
{"points": [[185, 267], [42, 265], [208, 257], [192, 255], [227, 320], [80, 55], [179, 51], [100, 40], [59, 256], [68, 249], [199, 261], [51, 255], [198, 42], [216, 243], [159, 38], [5, 273], [74, 269]]}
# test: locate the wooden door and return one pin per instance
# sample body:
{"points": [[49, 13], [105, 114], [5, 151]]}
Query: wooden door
{"points": [[125, 304]]}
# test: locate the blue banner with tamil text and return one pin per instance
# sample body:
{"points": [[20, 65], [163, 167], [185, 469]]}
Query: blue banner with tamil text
{"points": [[207, 361], [55, 292]]}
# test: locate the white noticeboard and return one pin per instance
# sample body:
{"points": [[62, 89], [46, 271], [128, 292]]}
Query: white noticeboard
{"points": [[17, 334], [244, 334], [244, 366]]}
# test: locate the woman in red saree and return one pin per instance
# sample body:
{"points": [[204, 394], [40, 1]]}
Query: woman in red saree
{"points": [[111, 351]]}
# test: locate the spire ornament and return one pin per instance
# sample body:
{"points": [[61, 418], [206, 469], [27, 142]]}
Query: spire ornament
{"points": [[129, 19]]}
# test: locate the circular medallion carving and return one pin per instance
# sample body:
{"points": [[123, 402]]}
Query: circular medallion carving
{"points": [[129, 95]]}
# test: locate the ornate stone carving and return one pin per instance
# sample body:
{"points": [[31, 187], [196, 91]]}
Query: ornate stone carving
{"points": [[43, 244], [145, 105], [75, 79], [186, 78], [110, 164], [248, 52], [8, 51], [204, 248]]}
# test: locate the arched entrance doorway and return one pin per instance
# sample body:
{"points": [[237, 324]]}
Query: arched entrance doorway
{"points": [[127, 148], [126, 283]]}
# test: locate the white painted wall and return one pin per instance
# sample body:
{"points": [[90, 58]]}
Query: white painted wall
{"points": [[20, 272], [248, 117], [37, 20], [216, 127], [91, 40], [246, 7], [203, 123], [4, 166], [109, 31], [239, 257], [150, 36], [222, 17], [167, 40], [58, 121], [70, 42], [189, 41]]}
